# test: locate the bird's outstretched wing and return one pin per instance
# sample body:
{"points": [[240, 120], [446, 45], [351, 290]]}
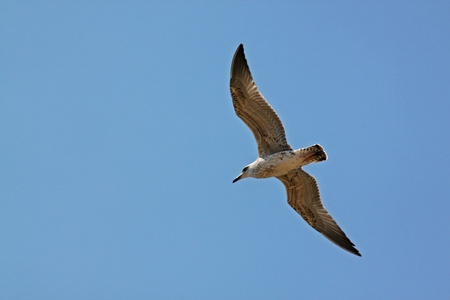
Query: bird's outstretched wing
{"points": [[254, 110], [303, 195]]}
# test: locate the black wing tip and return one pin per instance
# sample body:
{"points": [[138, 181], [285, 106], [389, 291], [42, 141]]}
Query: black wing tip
{"points": [[239, 52], [239, 61], [240, 48], [354, 251], [343, 242], [350, 248]]}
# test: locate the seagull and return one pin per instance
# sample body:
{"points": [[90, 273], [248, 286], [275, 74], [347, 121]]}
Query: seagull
{"points": [[277, 159]]}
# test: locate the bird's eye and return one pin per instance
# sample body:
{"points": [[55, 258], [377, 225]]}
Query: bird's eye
{"points": [[244, 169]]}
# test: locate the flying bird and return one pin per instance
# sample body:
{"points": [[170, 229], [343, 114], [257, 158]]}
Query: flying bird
{"points": [[277, 159]]}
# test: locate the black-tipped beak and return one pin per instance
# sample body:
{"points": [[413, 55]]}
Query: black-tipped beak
{"points": [[237, 178]]}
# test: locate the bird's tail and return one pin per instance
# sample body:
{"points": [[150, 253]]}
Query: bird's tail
{"points": [[312, 154]]}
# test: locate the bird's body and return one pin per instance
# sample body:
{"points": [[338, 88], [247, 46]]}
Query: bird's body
{"points": [[281, 163], [276, 157]]}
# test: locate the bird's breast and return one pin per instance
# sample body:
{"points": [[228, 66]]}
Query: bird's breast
{"points": [[277, 164]]}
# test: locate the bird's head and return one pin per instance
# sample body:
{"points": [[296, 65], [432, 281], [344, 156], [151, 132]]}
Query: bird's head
{"points": [[246, 172]]}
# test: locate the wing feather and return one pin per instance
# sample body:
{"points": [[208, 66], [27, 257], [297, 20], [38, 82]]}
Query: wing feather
{"points": [[303, 195], [254, 110]]}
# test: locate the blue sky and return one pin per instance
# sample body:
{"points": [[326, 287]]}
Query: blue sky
{"points": [[119, 143]]}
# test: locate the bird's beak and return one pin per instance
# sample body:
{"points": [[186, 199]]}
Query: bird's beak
{"points": [[238, 178]]}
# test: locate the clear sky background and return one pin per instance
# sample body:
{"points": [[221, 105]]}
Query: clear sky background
{"points": [[119, 142]]}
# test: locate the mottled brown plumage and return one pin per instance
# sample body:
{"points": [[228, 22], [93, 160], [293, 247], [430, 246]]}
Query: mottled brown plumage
{"points": [[276, 157]]}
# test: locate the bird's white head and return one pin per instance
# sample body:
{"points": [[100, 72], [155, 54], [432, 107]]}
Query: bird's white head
{"points": [[246, 172]]}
